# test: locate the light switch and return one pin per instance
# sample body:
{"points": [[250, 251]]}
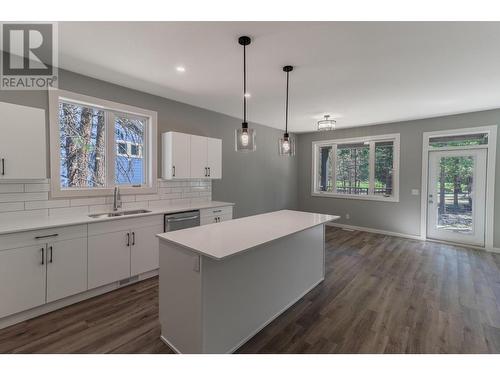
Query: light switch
{"points": [[415, 192]]}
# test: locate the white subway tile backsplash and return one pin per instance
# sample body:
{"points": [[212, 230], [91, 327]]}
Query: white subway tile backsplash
{"points": [[20, 199], [69, 211], [87, 201], [35, 188], [54, 203], [13, 206], [11, 188]]}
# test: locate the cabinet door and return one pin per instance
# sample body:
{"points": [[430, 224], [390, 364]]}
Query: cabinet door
{"points": [[66, 268], [199, 157], [22, 144], [176, 155], [108, 258], [144, 251], [22, 279], [214, 156]]}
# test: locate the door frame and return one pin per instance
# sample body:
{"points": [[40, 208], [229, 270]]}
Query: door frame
{"points": [[491, 130]]}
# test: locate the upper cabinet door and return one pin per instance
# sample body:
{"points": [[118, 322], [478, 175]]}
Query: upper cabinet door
{"points": [[22, 144], [176, 155], [199, 164], [214, 157]]}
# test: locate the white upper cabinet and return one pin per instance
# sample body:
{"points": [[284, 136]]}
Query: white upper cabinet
{"points": [[191, 156], [214, 157], [176, 155], [22, 144], [199, 165]]}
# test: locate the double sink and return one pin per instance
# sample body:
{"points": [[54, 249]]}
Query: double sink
{"points": [[118, 213]]}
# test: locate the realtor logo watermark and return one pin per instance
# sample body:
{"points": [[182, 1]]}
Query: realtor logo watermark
{"points": [[29, 56]]}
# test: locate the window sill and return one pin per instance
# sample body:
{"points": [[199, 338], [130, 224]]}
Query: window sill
{"points": [[394, 199]]}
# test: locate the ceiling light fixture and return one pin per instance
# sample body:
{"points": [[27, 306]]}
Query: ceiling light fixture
{"points": [[245, 137], [286, 145], [180, 69], [326, 124]]}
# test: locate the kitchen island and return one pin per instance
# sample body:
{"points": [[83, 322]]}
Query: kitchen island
{"points": [[222, 283]]}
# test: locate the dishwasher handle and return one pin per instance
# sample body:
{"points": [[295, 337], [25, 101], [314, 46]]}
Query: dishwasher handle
{"points": [[172, 220]]}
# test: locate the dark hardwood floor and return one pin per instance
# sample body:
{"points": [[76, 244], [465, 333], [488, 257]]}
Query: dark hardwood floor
{"points": [[381, 295]]}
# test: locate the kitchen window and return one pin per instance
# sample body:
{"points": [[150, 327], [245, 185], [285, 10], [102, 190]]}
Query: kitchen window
{"points": [[98, 144], [357, 168]]}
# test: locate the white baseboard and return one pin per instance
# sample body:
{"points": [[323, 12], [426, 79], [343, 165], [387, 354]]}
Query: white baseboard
{"points": [[56, 305], [373, 230], [410, 236]]}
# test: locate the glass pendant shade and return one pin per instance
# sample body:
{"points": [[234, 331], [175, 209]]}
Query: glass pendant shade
{"points": [[286, 146], [245, 140], [326, 124]]}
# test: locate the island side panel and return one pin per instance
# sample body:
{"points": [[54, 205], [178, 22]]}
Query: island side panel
{"points": [[180, 298], [245, 292]]}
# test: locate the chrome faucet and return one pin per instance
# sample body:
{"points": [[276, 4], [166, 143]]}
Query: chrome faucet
{"points": [[117, 200]]}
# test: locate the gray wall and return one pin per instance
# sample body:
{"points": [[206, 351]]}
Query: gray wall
{"points": [[404, 216], [257, 182]]}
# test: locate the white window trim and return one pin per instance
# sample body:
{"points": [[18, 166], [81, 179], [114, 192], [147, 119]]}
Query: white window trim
{"points": [[490, 176], [151, 135], [334, 142]]}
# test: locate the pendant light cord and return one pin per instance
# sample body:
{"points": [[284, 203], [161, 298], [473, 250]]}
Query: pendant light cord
{"points": [[286, 106], [244, 84]]}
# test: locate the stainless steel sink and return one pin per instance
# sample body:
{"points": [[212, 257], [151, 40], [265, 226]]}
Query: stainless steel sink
{"points": [[119, 213]]}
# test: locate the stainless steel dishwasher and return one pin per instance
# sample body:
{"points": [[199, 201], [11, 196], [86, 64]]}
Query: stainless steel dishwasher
{"points": [[181, 220]]}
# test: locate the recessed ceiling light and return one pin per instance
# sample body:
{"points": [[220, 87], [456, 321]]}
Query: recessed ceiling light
{"points": [[247, 95], [180, 69]]}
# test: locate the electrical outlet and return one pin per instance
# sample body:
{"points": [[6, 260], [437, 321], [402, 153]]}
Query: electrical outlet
{"points": [[347, 216]]}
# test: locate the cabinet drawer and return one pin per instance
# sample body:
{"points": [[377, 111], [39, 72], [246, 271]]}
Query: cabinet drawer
{"points": [[217, 211], [36, 237], [119, 225]]}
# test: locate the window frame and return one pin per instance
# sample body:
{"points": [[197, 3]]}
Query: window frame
{"points": [[112, 109], [316, 145]]}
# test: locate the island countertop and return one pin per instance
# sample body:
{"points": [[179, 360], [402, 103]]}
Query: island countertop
{"points": [[222, 240]]}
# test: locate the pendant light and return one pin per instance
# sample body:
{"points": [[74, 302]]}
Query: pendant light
{"points": [[245, 137], [326, 124], [286, 145]]}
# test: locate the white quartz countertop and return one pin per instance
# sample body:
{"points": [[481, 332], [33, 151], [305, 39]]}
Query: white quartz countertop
{"points": [[36, 223], [221, 240]]}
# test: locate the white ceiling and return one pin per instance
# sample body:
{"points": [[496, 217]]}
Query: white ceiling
{"points": [[358, 72]]}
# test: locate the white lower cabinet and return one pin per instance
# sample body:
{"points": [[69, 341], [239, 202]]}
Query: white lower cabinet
{"points": [[123, 248], [109, 258], [144, 255], [66, 268], [22, 279], [215, 215], [37, 267]]}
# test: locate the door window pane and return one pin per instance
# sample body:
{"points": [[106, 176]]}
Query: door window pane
{"points": [[455, 195], [384, 167], [82, 146], [130, 166], [353, 172], [325, 176]]}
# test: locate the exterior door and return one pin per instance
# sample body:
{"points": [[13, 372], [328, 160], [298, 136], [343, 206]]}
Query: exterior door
{"points": [[456, 196]]}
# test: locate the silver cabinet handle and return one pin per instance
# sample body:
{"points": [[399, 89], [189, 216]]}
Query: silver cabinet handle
{"points": [[3, 166], [216, 211], [51, 254], [173, 171], [42, 250], [133, 238], [128, 239], [209, 172]]}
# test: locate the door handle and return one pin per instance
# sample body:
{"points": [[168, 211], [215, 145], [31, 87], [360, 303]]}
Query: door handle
{"points": [[133, 238], [42, 250], [128, 239], [51, 253]]}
